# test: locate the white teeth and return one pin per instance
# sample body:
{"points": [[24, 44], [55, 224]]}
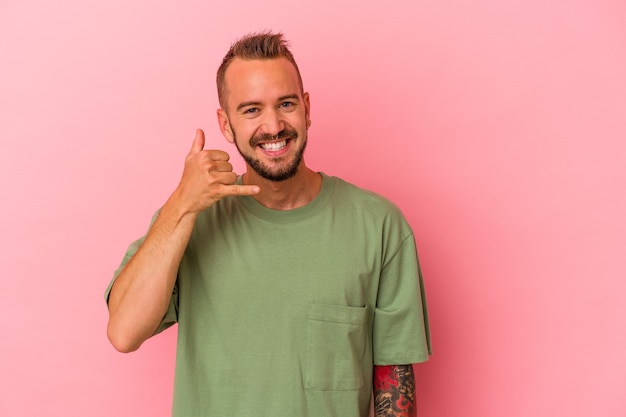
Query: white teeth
{"points": [[275, 146]]}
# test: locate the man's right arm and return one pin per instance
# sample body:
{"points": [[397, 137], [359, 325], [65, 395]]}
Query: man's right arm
{"points": [[141, 293]]}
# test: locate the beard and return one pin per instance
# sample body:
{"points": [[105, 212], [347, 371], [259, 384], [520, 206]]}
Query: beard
{"points": [[286, 169]]}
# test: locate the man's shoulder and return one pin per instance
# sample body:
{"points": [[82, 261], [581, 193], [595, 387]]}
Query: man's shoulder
{"points": [[372, 211], [362, 196]]}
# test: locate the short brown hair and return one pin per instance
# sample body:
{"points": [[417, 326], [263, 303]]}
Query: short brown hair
{"points": [[263, 45]]}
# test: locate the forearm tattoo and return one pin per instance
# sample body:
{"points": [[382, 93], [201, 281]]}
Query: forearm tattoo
{"points": [[394, 391]]}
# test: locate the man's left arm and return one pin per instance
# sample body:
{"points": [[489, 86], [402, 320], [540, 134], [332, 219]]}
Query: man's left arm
{"points": [[394, 391]]}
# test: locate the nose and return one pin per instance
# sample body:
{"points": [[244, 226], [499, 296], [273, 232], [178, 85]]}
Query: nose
{"points": [[272, 123]]}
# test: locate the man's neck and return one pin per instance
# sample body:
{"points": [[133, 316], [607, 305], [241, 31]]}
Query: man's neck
{"points": [[290, 194]]}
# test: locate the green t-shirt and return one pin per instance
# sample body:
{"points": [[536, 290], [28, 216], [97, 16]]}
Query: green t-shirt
{"points": [[284, 313]]}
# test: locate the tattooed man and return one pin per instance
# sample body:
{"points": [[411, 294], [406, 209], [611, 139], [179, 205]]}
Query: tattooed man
{"points": [[295, 293]]}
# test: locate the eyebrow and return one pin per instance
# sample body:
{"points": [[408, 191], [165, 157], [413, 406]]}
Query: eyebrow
{"points": [[289, 96], [258, 103], [248, 103]]}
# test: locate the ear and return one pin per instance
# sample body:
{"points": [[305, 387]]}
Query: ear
{"points": [[307, 106], [222, 121]]}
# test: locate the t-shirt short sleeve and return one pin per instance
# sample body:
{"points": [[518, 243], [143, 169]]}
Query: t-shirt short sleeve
{"points": [[401, 332]]}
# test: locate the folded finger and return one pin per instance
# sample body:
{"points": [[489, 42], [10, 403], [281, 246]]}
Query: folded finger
{"points": [[221, 166]]}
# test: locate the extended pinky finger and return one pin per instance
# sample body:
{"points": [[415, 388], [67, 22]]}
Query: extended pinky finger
{"points": [[241, 189]]}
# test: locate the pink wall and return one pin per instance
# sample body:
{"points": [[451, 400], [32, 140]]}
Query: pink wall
{"points": [[498, 127]]}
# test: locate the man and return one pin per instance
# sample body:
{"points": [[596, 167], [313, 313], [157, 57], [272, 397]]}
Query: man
{"points": [[295, 293]]}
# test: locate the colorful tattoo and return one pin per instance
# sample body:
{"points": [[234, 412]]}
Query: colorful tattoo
{"points": [[394, 391]]}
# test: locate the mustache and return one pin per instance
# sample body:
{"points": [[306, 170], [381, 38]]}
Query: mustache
{"points": [[286, 133]]}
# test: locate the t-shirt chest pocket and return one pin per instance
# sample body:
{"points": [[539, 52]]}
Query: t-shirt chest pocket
{"points": [[336, 345]]}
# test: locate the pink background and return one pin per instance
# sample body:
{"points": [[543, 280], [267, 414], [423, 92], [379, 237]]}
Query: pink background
{"points": [[499, 127]]}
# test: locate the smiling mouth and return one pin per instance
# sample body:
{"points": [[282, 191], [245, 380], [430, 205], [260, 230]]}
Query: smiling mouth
{"points": [[274, 146]]}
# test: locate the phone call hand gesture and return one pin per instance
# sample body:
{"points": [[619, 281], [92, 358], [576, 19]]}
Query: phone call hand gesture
{"points": [[207, 178]]}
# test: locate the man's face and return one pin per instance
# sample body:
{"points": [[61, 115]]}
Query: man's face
{"points": [[266, 116]]}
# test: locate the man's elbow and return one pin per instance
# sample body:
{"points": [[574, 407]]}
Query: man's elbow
{"points": [[121, 341]]}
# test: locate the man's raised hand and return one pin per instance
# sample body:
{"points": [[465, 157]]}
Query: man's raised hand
{"points": [[207, 178]]}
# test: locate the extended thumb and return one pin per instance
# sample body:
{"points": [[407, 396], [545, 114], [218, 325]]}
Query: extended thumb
{"points": [[198, 142]]}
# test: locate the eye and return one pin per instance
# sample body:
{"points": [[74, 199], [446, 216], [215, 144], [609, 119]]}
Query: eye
{"points": [[251, 110], [287, 105]]}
